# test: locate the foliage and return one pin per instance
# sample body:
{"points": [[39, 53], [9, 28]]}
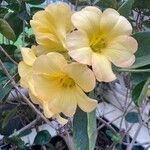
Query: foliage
{"points": [[84, 127], [43, 137]]}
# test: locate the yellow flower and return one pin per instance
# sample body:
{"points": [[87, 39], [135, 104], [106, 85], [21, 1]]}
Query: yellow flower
{"points": [[26, 81], [101, 39], [61, 85], [51, 26]]}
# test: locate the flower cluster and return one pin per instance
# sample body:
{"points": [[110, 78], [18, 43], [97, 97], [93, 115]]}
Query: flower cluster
{"points": [[56, 71]]}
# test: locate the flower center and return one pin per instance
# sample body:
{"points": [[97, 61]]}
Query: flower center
{"points": [[66, 81], [98, 45]]}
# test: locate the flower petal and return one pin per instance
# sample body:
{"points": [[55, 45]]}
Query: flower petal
{"points": [[84, 21], [82, 55], [40, 50], [34, 99], [47, 112], [60, 119], [82, 75], [127, 63], [76, 40], [65, 101], [25, 73], [120, 51], [112, 24], [102, 68], [123, 27], [63, 12], [108, 20], [84, 102], [44, 88], [49, 30], [124, 42], [78, 46], [28, 56], [50, 63], [93, 9]]}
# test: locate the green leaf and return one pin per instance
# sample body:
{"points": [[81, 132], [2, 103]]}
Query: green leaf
{"points": [[6, 30], [24, 133], [143, 52], [4, 91], [109, 3], [11, 68], [116, 138], [84, 130], [17, 142], [3, 11], [33, 10], [43, 137], [15, 22], [139, 77], [147, 23], [13, 5], [132, 117], [141, 61], [142, 4], [34, 2], [125, 8], [9, 115], [10, 49], [139, 92]]}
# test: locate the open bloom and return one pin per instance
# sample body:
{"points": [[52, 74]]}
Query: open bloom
{"points": [[26, 80], [101, 39], [61, 84], [51, 25]]}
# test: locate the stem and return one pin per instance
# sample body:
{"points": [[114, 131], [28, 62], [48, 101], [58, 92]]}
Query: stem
{"points": [[2, 50], [134, 70]]}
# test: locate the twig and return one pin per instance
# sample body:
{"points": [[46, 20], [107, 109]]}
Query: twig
{"points": [[76, 5], [134, 70], [114, 93], [135, 136], [138, 129], [26, 127], [137, 144], [107, 124], [32, 106], [2, 50]]}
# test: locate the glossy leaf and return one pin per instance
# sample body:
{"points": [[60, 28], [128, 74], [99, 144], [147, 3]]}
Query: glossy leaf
{"points": [[116, 138], [139, 77], [139, 92], [14, 5], [108, 3], [142, 4], [15, 22], [147, 23], [43, 137], [132, 117], [4, 91], [3, 11], [84, 130], [6, 30], [33, 10], [9, 115], [125, 8], [143, 52]]}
